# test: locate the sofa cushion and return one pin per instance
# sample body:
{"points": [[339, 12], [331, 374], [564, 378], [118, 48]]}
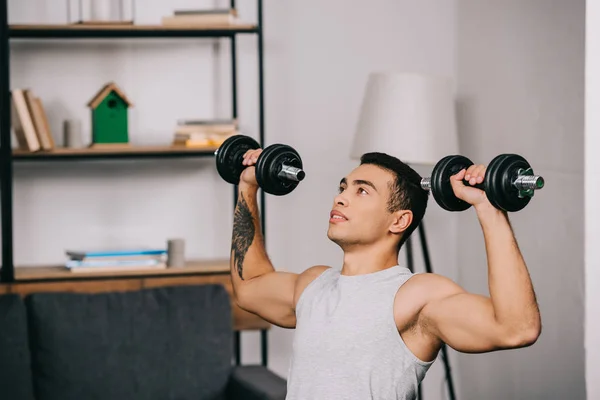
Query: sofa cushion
{"points": [[15, 363], [162, 343]]}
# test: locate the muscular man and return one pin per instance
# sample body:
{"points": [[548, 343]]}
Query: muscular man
{"points": [[372, 329]]}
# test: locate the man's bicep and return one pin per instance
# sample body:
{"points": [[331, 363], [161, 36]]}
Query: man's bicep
{"points": [[465, 322], [270, 296]]}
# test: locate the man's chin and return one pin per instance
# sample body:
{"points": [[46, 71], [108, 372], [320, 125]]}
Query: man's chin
{"points": [[331, 236], [334, 238]]}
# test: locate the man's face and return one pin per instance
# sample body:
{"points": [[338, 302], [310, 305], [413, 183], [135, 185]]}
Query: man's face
{"points": [[360, 213]]}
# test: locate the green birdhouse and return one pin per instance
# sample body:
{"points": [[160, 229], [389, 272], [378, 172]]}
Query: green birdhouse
{"points": [[109, 116]]}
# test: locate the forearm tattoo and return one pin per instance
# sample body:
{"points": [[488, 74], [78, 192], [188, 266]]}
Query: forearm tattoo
{"points": [[243, 234]]}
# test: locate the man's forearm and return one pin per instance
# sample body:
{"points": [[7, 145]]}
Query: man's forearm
{"points": [[248, 256], [510, 286]]}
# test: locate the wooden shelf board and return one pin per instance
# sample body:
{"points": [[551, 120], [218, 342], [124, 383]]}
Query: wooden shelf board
{"points": [[114, 151], [53, 272]]}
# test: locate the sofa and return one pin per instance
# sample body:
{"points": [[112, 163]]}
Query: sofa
{"points": [[167, 343]]}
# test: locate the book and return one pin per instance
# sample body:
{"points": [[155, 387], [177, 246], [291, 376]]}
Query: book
{"points": [[40, 122], [22, 122], [208, 11], [204, 122], [201, 18], [99, 266], [106, 263], [200, 139], [86, 254]]}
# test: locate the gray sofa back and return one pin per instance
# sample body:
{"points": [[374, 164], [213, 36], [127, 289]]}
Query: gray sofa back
{"points": [[15, 368], [160, 343]]}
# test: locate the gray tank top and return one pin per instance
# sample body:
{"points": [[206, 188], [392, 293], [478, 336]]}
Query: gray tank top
{"points": [[346, 343]]}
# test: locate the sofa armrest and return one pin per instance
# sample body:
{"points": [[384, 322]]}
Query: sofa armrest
{"points": [[255, 382]]}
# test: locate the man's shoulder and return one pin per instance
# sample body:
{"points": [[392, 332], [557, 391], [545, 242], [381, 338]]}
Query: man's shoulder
{"points": [[309, 275], [422, 289], [305, 278], [313, 271], [431, 284]]}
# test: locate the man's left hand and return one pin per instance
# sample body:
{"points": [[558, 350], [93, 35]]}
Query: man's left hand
{"points": [[474, 175]]}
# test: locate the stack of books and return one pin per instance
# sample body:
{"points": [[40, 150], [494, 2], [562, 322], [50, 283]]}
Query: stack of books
{"points": [[29, 121], [204, 132], [116, 260], [209, 18]]}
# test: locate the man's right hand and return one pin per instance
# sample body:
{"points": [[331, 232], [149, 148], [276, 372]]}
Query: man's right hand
{"points": [[248, 176]]}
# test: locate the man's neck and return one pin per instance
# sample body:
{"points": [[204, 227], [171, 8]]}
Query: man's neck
{"points": [[364, 260]]}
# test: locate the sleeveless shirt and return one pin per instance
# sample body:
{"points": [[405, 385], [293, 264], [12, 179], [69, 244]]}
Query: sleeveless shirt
{"points": [[346, 343]]}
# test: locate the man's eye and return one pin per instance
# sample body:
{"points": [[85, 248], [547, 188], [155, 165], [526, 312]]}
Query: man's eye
{"points": [[362, 191], [340, 189]]}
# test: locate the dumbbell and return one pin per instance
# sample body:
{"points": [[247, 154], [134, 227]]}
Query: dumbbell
{"points": [[278, 168], [509, 182]]}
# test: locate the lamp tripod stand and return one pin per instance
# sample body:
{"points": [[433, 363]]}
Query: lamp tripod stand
{"points": [[427, 261]]}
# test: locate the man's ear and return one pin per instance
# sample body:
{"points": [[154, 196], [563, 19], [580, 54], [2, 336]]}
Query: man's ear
{"points": [[401, 221]]}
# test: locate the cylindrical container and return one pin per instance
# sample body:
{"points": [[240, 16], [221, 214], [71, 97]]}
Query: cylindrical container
{"points": [[175, 253], [106, 10], [72, 135]]}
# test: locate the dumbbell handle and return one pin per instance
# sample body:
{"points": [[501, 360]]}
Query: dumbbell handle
{"points": [[291, 173], [426, 184], [523, 182]]}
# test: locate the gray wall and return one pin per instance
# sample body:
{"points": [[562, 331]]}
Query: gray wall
{"points": [[520, 68], [592, 194]]}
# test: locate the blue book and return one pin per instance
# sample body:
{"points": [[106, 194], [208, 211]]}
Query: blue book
{"points": [[81, 255], [111, 263]]}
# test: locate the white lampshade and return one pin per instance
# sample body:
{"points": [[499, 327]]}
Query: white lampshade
{"points": [[409, 116]]}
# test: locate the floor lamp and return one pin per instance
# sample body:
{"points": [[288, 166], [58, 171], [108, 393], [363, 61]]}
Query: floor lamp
{"points": [[410, 116]]}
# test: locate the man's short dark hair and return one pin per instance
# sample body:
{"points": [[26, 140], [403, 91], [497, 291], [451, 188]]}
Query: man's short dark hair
{"points": [[406, 191]]}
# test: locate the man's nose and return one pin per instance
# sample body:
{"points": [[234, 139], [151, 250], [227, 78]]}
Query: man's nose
{"points": [[341, 200]]}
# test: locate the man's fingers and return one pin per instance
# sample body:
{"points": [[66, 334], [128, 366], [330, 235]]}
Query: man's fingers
{"points": [[475, 174], [469, 172], [480, 173], [458, 177], [251, 156]]}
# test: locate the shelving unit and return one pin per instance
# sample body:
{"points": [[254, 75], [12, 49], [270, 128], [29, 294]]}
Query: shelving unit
{"points": [[9, 273]]}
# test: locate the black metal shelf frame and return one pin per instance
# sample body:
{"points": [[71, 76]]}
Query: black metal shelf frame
{"points": [[121, 154], [7, 273], [66, 33]]}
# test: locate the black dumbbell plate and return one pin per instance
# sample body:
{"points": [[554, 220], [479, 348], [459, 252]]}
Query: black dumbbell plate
{"points": [[441, 187], [499, 177], [269, 165], [230, 156]]}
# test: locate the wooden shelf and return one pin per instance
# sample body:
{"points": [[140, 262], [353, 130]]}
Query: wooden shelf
{"points": [[125, 30], [115, 152], [58, 272]]}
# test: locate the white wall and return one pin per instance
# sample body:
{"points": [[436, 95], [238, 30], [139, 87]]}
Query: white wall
{"points": [[318, 57], [520, 67], [592, 194]]}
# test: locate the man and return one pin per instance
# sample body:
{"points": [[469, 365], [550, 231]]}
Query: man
{"points": [[372, 329]]}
